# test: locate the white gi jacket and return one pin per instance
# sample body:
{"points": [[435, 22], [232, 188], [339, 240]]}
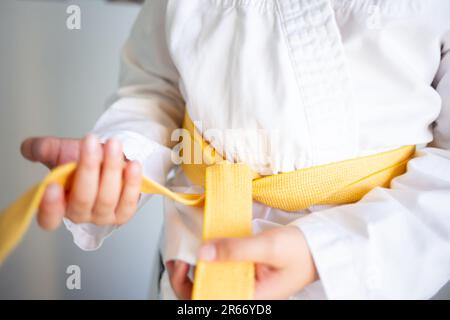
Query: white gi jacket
{"points": [[331, 80]]}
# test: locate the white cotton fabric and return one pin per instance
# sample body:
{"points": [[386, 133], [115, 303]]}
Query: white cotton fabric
{"points": [[326, 80]]}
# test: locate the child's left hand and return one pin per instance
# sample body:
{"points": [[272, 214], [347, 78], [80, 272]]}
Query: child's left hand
{"points": [[284, 264]]}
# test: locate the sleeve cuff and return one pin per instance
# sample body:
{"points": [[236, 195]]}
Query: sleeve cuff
{"points": [[88, 236], [135, 146], [332, 254]]}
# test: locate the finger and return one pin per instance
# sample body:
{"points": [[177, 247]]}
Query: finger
{"points": [[50, 151], [169, 265], [276, 285], [260, 248], [130, 192], [85, 184], [179, 280], [69, 151], [262, 271], [110, 184], [42, 149], [52, 207]]}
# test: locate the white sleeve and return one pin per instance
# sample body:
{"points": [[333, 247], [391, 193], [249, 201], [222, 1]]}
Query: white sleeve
{"points": [[394, 243], [147, 107]]}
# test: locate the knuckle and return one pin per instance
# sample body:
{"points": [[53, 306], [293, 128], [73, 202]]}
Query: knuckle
{"points": [[122, 219], [103, 220], [77, 218], [113, 165], [226, 248], [133, 184], [89, 163], [103, 205], [80, 204], [128, 204], [124, 215], [40, 151], [40, 147]]}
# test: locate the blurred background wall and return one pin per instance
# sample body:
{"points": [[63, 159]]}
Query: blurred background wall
{"points": [[55, 81]]}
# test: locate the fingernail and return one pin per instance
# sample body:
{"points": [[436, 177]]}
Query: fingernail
{"points": [[207, 252], [52, 193], [91, 143]]}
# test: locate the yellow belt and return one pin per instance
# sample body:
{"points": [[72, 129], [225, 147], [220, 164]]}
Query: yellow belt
{"points": [[229, 190]]}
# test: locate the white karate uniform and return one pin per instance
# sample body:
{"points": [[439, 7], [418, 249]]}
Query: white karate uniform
{"points": [[330, 80]]}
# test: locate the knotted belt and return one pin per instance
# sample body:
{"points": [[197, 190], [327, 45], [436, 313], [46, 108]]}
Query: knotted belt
{"points": [[229, 191]]}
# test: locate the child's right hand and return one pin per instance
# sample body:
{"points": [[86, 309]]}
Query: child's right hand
{"points": [[105, 188]]}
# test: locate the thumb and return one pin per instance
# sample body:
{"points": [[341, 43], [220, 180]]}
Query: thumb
{"points": [[50, 151], [259, 248]]}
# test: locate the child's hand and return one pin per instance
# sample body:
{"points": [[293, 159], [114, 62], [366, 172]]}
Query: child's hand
{"points": [[105, 188], [284, 264], [179, 280]]}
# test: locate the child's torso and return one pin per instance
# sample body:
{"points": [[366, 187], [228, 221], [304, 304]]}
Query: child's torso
{"points": [[306, 82]]}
